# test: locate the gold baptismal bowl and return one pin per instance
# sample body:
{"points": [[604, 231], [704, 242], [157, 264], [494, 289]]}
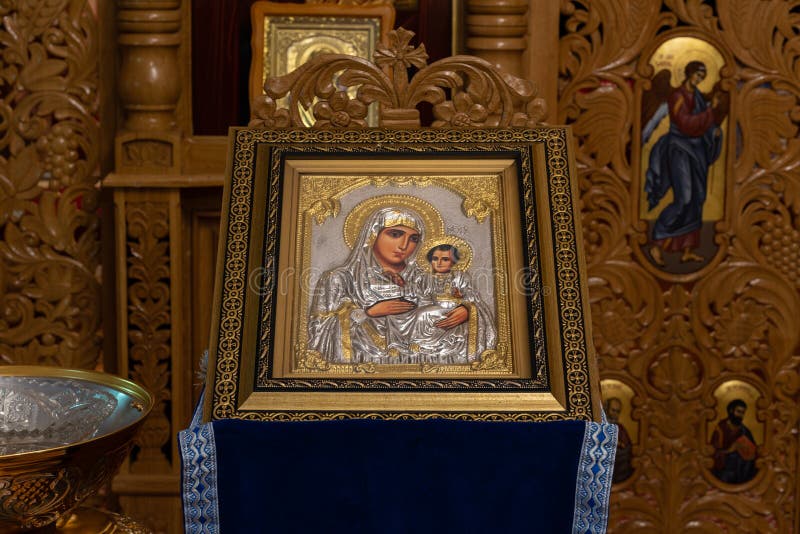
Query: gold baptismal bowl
{"points": [[63, 435]]}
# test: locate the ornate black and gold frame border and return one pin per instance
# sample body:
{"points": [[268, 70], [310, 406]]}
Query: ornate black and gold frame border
{"points": [[241, 368]]}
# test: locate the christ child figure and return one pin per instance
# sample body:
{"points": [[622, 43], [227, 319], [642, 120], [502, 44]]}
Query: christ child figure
{"points": [[452, 324]]}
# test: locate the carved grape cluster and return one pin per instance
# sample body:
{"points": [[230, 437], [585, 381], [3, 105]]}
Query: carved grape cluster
{"points": [[780, 244], [593, 239], [34, 500], [59, 154]]}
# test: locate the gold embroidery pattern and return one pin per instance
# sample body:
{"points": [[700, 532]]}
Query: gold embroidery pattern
{"points": [[343, 316], [378, 339]]}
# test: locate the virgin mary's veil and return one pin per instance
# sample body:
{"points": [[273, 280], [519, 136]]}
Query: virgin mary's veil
{"points": [[361, 260]]}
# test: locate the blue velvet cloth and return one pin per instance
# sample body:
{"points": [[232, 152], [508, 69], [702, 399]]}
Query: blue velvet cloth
{"points": [[359, 476]]}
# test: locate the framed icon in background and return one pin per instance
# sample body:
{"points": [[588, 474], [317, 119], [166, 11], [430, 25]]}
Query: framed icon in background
{"points": [[285, 36]]}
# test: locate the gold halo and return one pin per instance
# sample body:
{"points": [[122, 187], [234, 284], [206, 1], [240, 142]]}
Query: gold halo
{"points": [[464, 250], [688, 49], [434, 226]]}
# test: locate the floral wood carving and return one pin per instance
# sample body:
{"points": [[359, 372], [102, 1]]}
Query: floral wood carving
{"points": [[49, 254], [675, 341], [149, 324], [465, 91]]}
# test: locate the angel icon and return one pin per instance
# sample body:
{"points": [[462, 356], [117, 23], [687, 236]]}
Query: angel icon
{"points": [[680, 158]]}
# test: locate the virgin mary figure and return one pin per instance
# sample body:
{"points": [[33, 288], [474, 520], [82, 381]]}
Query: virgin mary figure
{"points": [[362, 311]]}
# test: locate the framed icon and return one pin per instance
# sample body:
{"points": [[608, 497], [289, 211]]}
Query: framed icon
{"points": [[286, 35], [401, 274]]}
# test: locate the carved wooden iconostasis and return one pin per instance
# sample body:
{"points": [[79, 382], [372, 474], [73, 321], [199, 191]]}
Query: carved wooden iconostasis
{"points": [[694, 305], [113, 150]]}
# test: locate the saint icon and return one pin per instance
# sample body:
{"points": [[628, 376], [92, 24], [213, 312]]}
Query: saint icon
{"points": [[680, 160], [735, 449], [622, 463], [453, 324]]}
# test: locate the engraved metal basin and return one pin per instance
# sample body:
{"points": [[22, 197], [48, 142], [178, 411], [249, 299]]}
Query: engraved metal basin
{"points": [[63, 435]]}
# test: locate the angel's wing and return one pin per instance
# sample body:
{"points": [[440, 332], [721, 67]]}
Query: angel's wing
{"points": [[660, 89], [654, 103]]}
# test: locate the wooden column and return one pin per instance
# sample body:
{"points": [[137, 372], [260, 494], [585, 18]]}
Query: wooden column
{"points": [[150, 85], [495, 31], [541, 55]]}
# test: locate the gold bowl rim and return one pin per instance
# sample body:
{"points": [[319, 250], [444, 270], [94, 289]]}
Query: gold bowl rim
{"points": [[105, 379]]}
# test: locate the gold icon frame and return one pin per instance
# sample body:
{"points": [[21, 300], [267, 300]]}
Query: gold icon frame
{"points": [[281, 182], [286, 35]]}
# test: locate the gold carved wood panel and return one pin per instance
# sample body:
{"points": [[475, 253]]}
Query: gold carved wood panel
{"points": [[694, 305]]}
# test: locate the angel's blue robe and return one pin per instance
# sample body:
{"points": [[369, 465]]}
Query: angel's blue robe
{"points": [[679, 161]]}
